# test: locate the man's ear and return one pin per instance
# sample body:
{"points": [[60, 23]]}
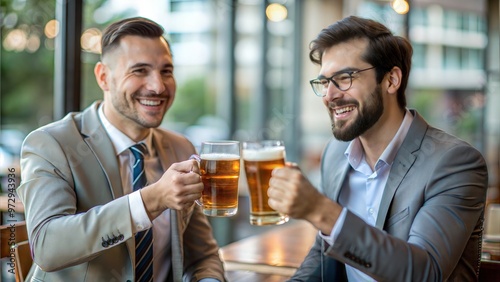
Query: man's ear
{"points": [[100, 72], [393, 78]]}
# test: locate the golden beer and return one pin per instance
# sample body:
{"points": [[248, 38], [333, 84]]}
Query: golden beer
{"points": [[220, 174], [259, 163]]}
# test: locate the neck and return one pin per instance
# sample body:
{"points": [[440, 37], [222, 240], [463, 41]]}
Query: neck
{"points": [[377, 138], [137, 136], [133, 130]]}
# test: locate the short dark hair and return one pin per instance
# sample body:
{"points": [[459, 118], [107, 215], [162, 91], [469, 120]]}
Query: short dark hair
{"points": [[385, 50], [130, 26]]}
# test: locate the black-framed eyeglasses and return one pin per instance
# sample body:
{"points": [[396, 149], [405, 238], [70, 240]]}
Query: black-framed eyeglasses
{"points": [[343, 81]]}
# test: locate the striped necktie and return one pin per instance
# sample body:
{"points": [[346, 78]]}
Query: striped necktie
{"points": [[143, 239]]}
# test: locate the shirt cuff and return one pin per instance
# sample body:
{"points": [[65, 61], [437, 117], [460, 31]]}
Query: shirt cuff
{"points": [[209, 280], [140, 218], [330, 239]]}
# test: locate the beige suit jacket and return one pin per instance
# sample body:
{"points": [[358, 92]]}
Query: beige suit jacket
{"points": [[79, 223]]}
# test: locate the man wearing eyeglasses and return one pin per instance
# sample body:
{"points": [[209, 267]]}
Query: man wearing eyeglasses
{"points": [[399, 199]]}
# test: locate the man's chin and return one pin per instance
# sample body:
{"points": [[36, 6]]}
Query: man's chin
{"points": [[342, 137], [342, 134], [152, 120], [151, 123]]}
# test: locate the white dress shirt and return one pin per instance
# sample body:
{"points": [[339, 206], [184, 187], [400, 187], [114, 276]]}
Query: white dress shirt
{"points": [[362, 190], [153, 168]]}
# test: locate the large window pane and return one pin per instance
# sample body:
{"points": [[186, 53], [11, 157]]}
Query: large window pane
{"points": [[27, 64]]}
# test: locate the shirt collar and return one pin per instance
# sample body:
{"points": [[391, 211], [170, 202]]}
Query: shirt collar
{"points": [[121, 142], [355, 154]]}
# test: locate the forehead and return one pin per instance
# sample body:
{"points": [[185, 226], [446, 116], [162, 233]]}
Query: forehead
{"points": [[348, 54], [133, 46]]}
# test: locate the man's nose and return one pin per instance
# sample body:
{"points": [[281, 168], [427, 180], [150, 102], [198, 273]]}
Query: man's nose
{"points": [[332, 92], [156, 83]]}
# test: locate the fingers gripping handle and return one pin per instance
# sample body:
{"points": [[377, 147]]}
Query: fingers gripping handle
{"points": [[197, 158]]}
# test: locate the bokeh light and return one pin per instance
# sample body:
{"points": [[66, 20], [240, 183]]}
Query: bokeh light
{"points": [[276, 12], [91, 40], [51, 29], [15, 40], [400, 6], [33, 43]]}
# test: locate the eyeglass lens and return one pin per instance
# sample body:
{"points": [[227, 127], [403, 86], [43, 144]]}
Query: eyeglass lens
{"points": [[342, 81]]}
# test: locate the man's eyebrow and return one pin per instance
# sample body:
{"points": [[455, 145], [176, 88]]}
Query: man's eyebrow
{"points": [[344, 70], [142, 65]]}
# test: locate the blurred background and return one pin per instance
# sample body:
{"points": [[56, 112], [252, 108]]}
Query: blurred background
{"points": [[242, 71]]}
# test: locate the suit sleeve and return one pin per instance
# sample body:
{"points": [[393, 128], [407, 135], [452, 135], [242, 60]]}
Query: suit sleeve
{"points": [[59, 235], [310, 269]]}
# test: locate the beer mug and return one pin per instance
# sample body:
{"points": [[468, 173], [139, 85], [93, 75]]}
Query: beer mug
{"points": [[260, 158], [220, 171]]}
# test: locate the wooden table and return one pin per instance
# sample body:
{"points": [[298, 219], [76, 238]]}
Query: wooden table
{"points": [[275, 255], [271, 256]]}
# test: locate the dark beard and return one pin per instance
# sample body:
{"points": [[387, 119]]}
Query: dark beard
{"points": [[372, 111]]}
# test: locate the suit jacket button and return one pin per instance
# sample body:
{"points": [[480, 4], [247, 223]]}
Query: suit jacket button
{"points": [[121, 237], [368, 265], [105, 244]]}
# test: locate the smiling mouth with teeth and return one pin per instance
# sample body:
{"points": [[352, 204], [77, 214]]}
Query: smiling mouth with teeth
{"points": [[150, 102], [344, 110]]}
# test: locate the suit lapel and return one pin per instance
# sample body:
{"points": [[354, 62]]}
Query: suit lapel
{"points": [[406, 156], [98, 141], [176, 243], [334, 169], [164, 150], [338, 177], [100, 144]]}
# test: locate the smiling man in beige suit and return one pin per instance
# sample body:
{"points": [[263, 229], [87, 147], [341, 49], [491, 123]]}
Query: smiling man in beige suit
{"points": [[81, 211]]}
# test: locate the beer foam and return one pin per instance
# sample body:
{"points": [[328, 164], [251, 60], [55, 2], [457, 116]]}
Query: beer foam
{"points": [[264, 154], [219, 157]]}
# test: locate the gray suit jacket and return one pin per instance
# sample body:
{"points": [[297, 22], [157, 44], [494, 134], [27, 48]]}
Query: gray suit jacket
{"points": [[78, 221], [429, 225]]}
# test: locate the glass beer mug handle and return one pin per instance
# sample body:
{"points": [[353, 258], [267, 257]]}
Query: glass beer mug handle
{"points": [[197, 159]]}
